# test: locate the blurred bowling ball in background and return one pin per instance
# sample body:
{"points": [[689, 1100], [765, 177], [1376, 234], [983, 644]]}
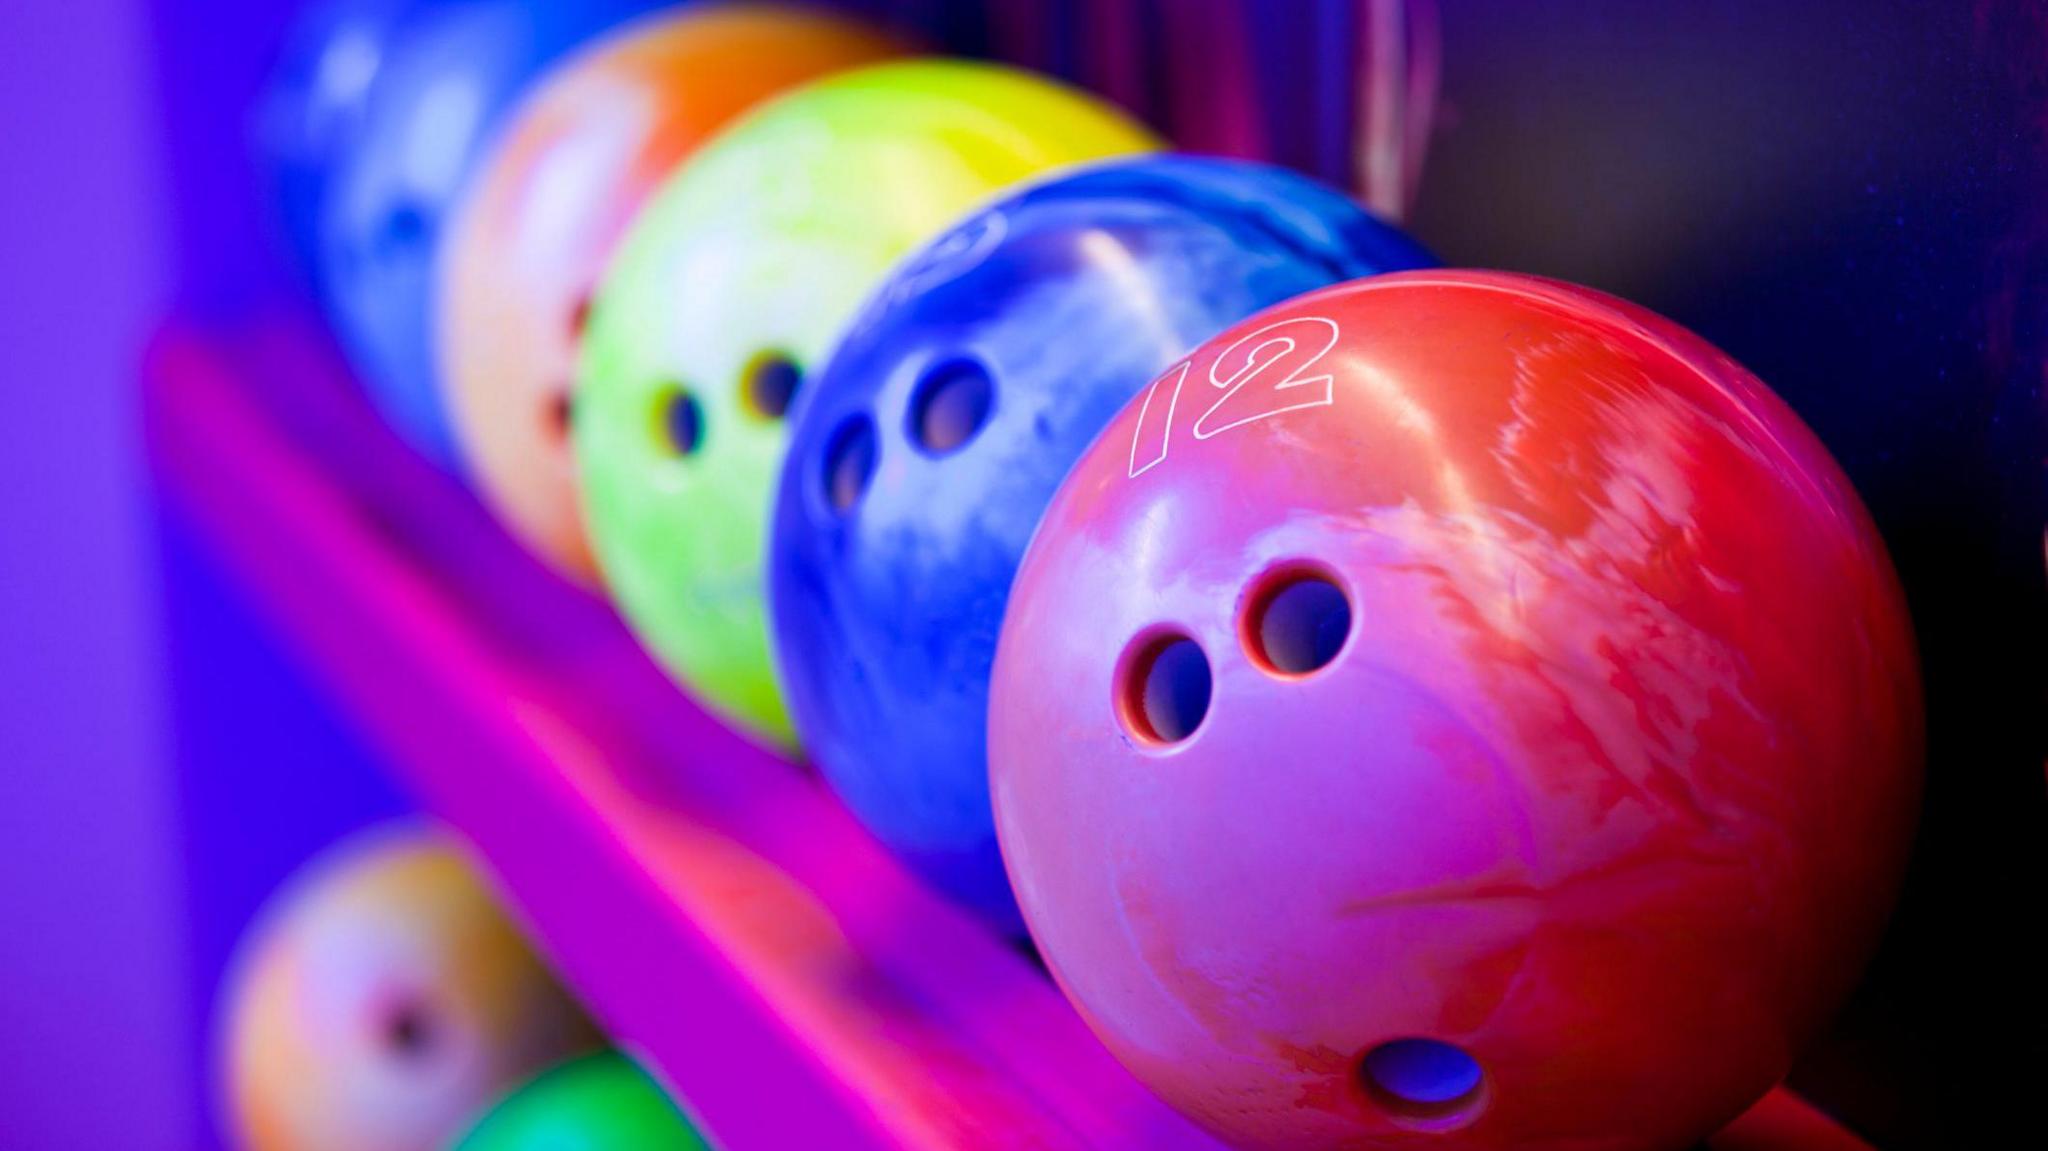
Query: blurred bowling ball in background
{"points": [[943, 423], [531, 238], [447, 76], [1456, 704], [383, 1002], [313, 104], [598, 1103], [732, 286]]}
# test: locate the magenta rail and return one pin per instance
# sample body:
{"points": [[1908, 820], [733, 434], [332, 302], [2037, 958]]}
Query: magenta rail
{"points": [[722, 916]]}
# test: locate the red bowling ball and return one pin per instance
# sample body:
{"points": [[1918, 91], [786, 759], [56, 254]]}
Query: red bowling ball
{"points": [[1456, 710]]}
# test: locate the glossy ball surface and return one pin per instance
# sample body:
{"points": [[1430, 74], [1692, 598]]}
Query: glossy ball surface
{"points": [[532, 237], [733, 284], [1487, 719], [312, 105], [976, 377], [444, 82], [383, 1002], [599, 1103]]}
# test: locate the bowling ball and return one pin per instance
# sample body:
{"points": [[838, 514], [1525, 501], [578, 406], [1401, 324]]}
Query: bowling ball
{"points": [[598, 1103], [732, 286], [312, 105], [382, 1002], [1456, 706], [970, 385], [530, 239], [447, 77]]}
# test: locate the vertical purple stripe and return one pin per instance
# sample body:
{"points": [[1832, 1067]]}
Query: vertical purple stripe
{"points": [[1234, 101], [1115, 58], [1338, 79], [1019, 28], [1424, 53], [1148, 29], [1065, 28]]}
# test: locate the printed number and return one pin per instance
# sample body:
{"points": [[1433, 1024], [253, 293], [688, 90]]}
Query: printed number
{"points": [[951, 256], [1288, 349], [954, 254], [1178, 376]]}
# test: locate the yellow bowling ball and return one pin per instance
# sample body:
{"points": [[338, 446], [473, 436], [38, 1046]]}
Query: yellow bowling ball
{"points": [[733, 285]]}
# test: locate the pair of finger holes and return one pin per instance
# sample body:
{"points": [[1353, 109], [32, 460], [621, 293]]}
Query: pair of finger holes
{"points": [[558, 409], [948, 408], [1295, 623], [767, 389]]}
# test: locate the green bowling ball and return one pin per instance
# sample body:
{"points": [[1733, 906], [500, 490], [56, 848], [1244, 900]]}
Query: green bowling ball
{"points": [[598, 1103], [732, 286]]}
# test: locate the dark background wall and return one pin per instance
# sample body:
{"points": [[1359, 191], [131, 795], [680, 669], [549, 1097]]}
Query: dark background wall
{"points": [[1849, 197]]}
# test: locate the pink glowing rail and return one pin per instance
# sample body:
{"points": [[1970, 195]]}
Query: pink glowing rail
{"points": [[712, 904]]}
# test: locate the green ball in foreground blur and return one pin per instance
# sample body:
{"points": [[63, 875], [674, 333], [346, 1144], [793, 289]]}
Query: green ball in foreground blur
{"points": [[599, 1103], [733, 285]]}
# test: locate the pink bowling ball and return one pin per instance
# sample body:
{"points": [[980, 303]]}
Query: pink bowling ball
{"points": [[1456, 710]]}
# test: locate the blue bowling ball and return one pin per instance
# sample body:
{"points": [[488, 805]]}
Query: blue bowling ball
{"points": [[449, 74], [933, 439], [312, 106]]}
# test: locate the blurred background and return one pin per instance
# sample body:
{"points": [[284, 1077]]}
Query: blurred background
{"points": [[94, 961], [1849, 197]]}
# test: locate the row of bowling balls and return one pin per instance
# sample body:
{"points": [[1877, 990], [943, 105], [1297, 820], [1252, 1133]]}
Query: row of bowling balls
{"points": [[629, 343], [1393, 699], [383, 1001]]}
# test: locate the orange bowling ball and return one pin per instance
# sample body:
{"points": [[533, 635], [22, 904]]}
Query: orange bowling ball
{"points": [[383, 1002], [534, 234]]}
